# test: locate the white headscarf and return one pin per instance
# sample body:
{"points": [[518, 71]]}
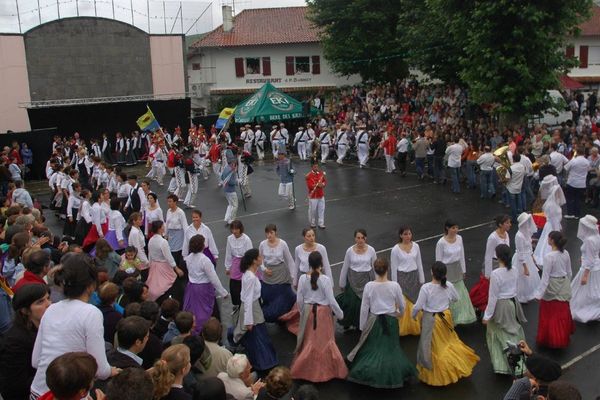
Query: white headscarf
{"points": [[526, 226], [588, 227], [547, 183], [556, 196]]}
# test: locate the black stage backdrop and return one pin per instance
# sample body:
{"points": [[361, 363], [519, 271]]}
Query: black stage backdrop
{"points": [[94, 119], [40, 143]]}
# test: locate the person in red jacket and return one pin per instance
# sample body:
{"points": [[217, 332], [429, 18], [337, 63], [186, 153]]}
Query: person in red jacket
{"points": [[389, 149], [315, 182]]}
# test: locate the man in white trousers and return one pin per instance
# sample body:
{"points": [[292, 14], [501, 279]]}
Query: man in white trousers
{"points": [[315, 183], [259, 142], [300, 141]]}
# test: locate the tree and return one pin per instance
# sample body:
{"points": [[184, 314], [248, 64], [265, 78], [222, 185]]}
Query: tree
{"points": [[361, 37], [513, 50]]}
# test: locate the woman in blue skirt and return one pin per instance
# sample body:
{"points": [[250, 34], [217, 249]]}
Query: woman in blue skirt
{"points": [[250, 329]]}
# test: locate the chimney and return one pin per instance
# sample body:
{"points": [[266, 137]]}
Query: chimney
{"points": [[227, 18]]}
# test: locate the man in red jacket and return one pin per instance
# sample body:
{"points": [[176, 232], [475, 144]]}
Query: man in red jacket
{"points": [[315, 182], [36, 268]]}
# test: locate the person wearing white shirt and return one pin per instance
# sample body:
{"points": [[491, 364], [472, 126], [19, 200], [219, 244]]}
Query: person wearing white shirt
{"points": [[514, 185], [250, 329], [527, 196], [341, 143], [479, 292], [116, 225], [317, 357], [451, 251], [152, 212], [558, 161], [302, 252], [204, 285], [438, 335], [197, 227], [163, 269], [555, 323], [259, 141], [407, 270], [73, 206], [71, 324], [136, 239], [357, 270], [586, 284], [175, 222], [382, 304], [310, 140], [237, 379], [523, 262], [503, 315], [454, 153], [486, 163], [84, 222], [278, 268], [325, 140], [237, 245], [300, 140], [577, 169]]}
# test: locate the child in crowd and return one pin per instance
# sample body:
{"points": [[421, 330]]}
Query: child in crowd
{"points": [[130, 262]]}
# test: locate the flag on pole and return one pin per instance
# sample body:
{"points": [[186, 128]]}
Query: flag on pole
{"points": [[224, 116], [147, 122]]}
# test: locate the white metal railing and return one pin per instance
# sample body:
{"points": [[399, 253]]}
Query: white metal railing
{"points": [[100, 100]]}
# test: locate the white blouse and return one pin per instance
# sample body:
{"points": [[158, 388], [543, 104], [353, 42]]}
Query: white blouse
{"points": [[201, 270], [402, 261], [116, 223], [323, 295], [449, 253], [98, 216], [276, 255], [73, 204], [209, 240], [176, 219], [137, 240], [590, 253], [236, 247], [86, 209], [159, 250], [358, 262], [556, 265], [490, 250], [301, 261], [151, 216], [434, 298], [503, 285], [250, 293], [381, 298], [524, 247]]}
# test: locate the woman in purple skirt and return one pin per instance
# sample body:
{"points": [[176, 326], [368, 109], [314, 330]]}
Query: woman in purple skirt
{"points": [[116, 225], [199, 298]]}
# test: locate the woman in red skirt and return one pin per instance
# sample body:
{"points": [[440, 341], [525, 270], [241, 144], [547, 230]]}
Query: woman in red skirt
{"points": [[555, 323]]}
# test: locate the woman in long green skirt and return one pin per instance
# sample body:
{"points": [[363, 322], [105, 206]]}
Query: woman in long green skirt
{"points": [[503, 315], [451, 251], [378, 360], [357, 271]]}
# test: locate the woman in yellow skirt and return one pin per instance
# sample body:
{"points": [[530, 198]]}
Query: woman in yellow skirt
{"points": [[407, 270], [442, 358]]}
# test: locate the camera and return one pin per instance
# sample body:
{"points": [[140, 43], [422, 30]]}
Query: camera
{"points": [[514, 356]]}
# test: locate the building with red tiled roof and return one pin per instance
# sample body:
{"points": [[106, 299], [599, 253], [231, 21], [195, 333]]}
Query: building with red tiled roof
{"points": [[276, 45], [586, 48]]}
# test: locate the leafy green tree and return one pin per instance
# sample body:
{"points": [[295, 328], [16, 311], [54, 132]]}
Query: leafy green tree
{"points": [[361, 37]]}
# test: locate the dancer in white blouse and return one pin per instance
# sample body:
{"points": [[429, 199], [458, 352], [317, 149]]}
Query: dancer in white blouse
{"points": [[163, 269], [317, 357], [357, 270], [176, 222], [250, 329], [85, 218], [382, 303], [237, 244], [116, 225], [136, 239], [204, 285], [555, 324], [523, 262], [277, 295], [503, 315], [451, 251], [197, 227], [442, 358], [98, 213], [585, 302], [407, 270], [479, 292], [152, 212], [553, 212], [304, 250]]}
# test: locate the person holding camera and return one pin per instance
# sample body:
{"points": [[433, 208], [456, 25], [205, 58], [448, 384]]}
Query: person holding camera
{"points": [[503, 315], [541, 371]]}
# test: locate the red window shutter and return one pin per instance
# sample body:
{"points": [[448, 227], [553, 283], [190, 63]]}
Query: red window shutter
{"points": [[289, 66], [239, 67], [266, 61], [570, 52], [316, 65], [583, 56]]}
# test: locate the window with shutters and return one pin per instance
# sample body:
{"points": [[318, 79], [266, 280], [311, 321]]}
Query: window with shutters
{"points": [[253, 66], [266, 63], [316, 65], [583, 56], [239, 67], [302, 65]]}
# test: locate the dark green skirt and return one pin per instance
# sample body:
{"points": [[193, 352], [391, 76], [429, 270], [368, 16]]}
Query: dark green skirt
{"points": [[380, 362], [349, 302]]}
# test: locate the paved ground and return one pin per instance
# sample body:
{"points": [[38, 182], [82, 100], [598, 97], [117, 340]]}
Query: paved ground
{"points": [[380, 203]]}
